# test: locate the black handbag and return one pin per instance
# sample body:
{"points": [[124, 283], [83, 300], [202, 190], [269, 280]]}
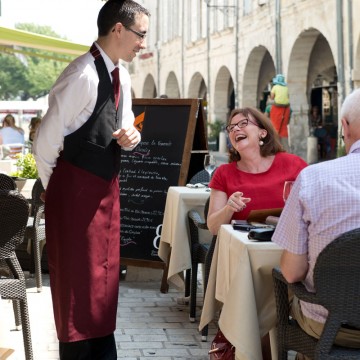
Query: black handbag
{"points": [[221, 348], [261, 234]]}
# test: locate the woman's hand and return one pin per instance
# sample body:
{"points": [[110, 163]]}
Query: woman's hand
{"points": [[237, 202]]}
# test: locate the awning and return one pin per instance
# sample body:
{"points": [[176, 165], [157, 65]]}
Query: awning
{"points": [[20, 38]]}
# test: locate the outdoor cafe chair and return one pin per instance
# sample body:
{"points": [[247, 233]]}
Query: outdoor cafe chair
{"points": [[201, 176], [336, 280], [200, 254], [35, 231], [8, 183], [14, 213]]}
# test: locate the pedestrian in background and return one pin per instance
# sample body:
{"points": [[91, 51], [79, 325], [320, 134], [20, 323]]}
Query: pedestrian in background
{"points": [[280, 109]]}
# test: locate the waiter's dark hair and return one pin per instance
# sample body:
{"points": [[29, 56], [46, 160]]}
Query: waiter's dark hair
{"points": [[114, 11]]}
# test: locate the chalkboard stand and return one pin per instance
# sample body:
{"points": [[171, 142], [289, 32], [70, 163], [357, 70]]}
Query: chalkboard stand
{"points": [[180, 123]]}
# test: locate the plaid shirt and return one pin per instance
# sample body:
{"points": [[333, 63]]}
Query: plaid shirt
{"points": [[324, 203]]}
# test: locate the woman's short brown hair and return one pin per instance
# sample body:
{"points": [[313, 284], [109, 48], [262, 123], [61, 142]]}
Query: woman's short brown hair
{"points": [[271, 141]]}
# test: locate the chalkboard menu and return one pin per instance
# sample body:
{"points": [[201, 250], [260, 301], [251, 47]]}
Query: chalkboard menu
{"points": [[172, 138]]}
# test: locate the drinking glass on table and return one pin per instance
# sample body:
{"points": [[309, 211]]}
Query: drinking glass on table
{"points": [[209, 164], [287, 188]]}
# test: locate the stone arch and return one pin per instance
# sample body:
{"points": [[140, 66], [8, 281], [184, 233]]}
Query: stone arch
{"points": [[197, 87], [172, 86], [356, 71], [255, 88], [149, 89], [223, 95], [311, 61]]}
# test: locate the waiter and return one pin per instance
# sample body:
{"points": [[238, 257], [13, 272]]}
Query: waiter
{"points": [[77, 150]]}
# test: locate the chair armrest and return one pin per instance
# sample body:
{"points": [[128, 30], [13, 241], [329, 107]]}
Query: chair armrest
{"points": [[297, 288]]}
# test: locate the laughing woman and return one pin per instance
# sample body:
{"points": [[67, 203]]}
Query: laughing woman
{"points": [[258, 167]]}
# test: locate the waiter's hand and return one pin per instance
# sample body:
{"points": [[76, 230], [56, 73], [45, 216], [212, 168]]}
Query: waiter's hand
{"points": [[127, 137], [42, 196]]}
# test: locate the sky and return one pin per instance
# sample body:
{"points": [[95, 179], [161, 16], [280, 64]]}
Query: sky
{"points": [[73, 19]]}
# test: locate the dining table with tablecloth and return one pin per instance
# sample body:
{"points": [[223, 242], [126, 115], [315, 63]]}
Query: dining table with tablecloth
{"points": [[174, 247], [240, 285]]}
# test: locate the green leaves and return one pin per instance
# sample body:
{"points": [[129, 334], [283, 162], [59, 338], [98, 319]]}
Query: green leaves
{"points": [[26, 166]]}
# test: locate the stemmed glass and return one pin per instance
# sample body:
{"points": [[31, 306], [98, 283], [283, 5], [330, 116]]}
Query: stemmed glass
{"points": [[209, 164], [287, 188]]}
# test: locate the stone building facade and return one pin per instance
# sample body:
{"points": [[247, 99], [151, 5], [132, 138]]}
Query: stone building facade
{"points": [[228, 51]]}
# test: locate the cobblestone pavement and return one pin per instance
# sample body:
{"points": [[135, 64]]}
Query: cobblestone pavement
{"points": [[150, 325]]}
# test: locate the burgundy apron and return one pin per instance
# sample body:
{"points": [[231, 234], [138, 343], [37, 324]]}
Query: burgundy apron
{"points": [[83, 246]]}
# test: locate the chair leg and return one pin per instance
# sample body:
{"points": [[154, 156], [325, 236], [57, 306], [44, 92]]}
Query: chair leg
{"points": [[36, 258], [187, 282], [194, 270], [17, 314], [204, 333], [26, 329]]}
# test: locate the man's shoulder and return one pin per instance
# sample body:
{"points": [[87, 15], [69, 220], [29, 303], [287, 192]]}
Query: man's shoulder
{"points": [[328, 168]]}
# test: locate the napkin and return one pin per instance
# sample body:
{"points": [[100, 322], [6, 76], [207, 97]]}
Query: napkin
{"points": [[195, 186]]}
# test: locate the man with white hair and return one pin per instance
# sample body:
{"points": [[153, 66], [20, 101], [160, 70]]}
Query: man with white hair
{"points": [[310, 220]]}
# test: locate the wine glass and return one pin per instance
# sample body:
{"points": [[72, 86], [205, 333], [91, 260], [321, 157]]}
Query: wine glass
{"points": [[209, 164], [287, 188]]}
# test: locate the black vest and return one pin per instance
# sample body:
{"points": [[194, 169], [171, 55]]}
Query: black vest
{"points": [[92, 147]]}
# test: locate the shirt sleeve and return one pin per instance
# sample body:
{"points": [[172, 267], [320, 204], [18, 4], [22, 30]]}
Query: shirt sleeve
{"points": [[128, 117], [218, 180], [72, 95]]}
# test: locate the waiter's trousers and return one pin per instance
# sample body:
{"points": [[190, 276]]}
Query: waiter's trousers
{"points": [[103, 348]]}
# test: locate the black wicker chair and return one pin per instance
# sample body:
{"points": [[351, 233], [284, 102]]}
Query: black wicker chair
{"points": [[14, 213], [336, 280], [200, 254], [200, 177], [35, 231], [7, 182]]}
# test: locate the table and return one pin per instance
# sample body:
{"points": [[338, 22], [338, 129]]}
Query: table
{"points": [[25, 187], [7, 166], [175, 237], [241, 282]]}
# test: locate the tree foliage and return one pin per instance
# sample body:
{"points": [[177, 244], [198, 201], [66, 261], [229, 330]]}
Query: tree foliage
{"points": [[31, 72]]}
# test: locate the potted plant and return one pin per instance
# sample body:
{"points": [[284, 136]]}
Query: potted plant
{"points": [[213, 139], [26, 172]]}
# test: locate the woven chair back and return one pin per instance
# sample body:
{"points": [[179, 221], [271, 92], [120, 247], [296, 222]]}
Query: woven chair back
{"points": [[337, 278], [14, 213], [200, 177], [7, 182]]}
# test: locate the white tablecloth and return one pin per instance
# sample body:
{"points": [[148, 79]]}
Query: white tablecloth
{"points": [[175, 231], [241, 282]]}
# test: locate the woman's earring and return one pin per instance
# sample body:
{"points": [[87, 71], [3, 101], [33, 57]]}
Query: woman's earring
{"points": [[261, 143]]}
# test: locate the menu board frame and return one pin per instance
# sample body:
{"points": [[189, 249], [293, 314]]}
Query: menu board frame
{"points": [[174, 134]]}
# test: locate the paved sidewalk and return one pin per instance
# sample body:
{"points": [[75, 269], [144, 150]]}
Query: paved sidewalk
{"points": [[150, 325]]}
